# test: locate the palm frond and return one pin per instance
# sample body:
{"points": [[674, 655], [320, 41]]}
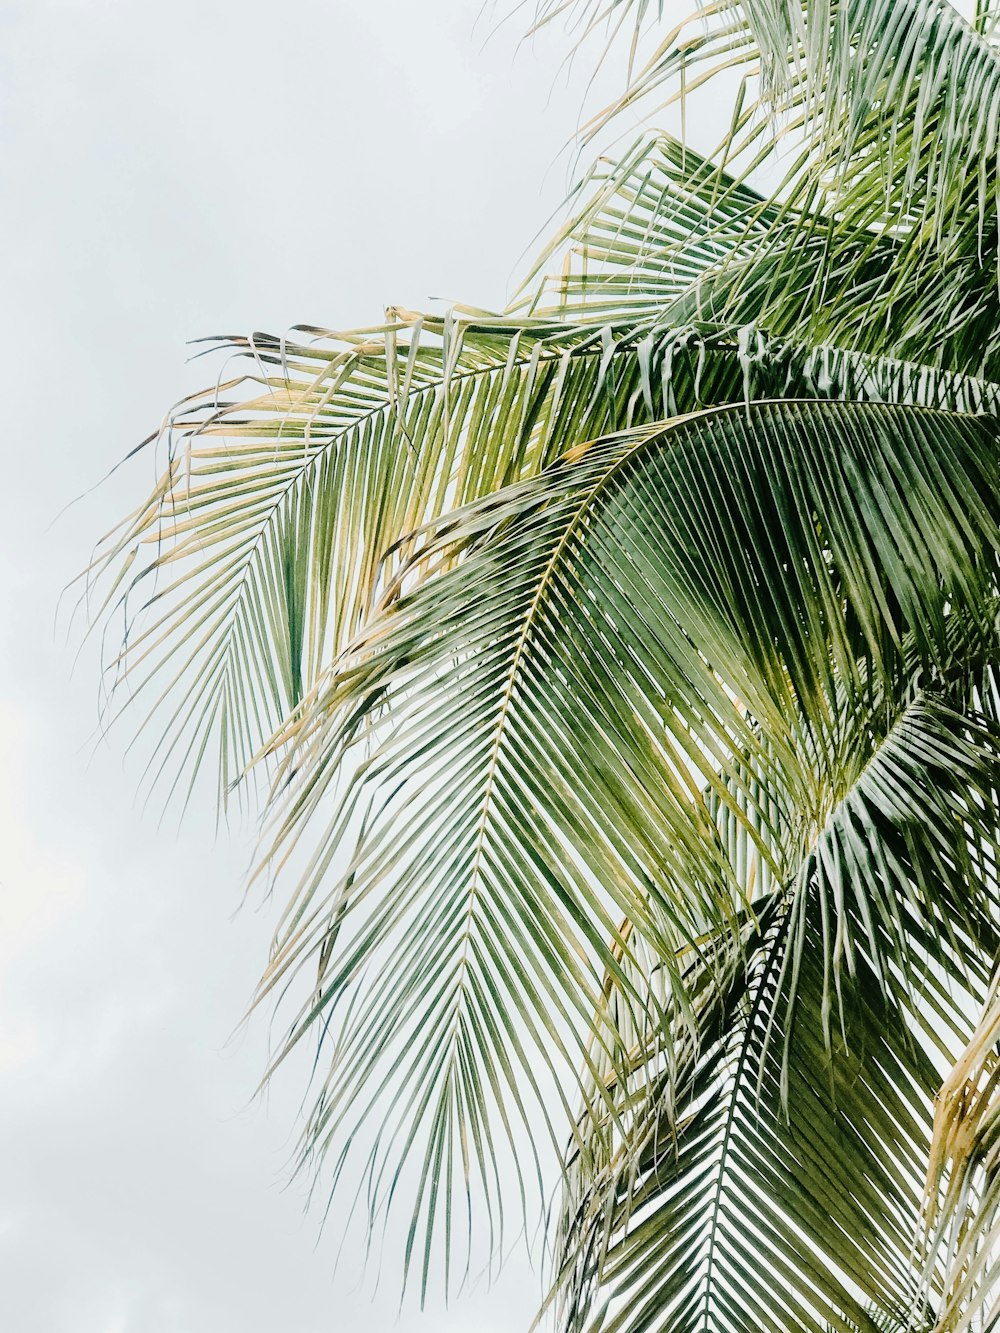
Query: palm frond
{"points": [[780, 1182], [668, 621], [646, 233], [892, 111], [664, 234], [291, 491]]}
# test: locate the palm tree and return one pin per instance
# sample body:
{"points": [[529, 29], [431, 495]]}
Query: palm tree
{"points": [[624, 668]]}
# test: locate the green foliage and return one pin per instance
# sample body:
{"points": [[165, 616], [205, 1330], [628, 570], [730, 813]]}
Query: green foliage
{"points": [[624, 666]]}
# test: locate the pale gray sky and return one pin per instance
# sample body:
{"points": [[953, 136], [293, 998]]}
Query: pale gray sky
{"points": [[174, 169]]}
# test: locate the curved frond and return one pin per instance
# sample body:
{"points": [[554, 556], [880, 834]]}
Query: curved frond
{"points": [[701, 614], [290, 494], [779, 1183], [888, 237], [647, 234]]}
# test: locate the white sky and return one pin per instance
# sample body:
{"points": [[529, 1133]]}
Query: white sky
{"points": [[173, 168]]}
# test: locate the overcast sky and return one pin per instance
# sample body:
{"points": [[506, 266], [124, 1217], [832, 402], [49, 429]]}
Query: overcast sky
{"points": [[174, 168]]}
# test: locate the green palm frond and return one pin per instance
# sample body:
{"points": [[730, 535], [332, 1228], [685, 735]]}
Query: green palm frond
{"points": [[890, 200], [780, 1183], [647, 233], [662, 230], [905, 91], [290, 494], [546, 730]]}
